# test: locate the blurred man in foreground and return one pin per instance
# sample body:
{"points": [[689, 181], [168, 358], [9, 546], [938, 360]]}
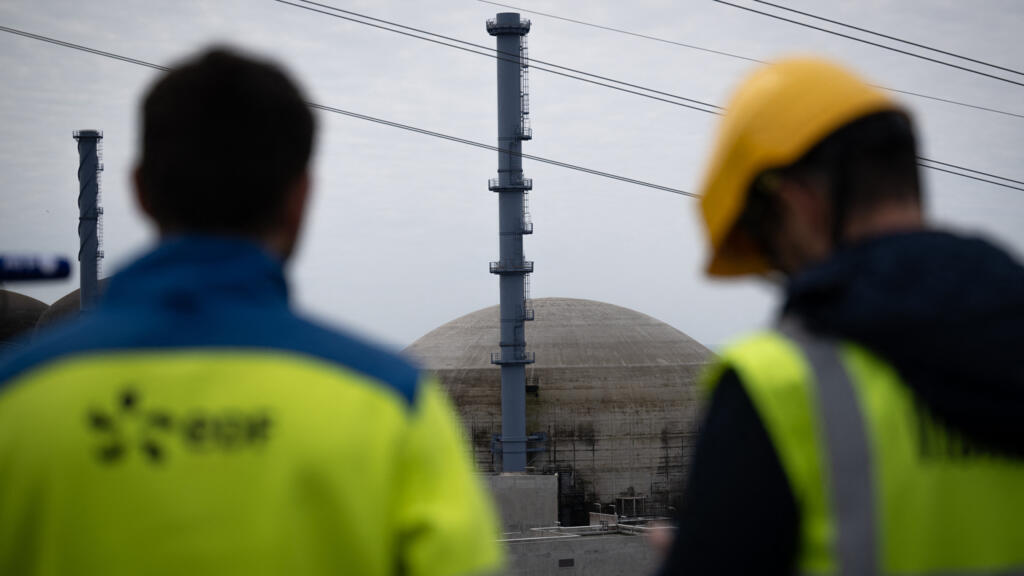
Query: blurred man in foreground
{"points": [[878, 428], [194, 424]]}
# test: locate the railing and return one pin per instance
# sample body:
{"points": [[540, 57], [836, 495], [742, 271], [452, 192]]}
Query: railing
{"points": [[519, 358], [523, 23], [653, 525], [501, 266], [516, 183], [525, 132]]}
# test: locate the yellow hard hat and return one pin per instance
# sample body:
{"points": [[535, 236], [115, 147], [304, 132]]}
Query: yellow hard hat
{"points": [[778, 114]]}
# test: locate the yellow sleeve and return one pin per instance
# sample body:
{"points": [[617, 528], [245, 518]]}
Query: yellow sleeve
{"points": [[446, 521]]}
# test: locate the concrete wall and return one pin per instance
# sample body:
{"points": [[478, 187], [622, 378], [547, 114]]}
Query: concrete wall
{"points": [[609, 555], [528, 501], [525, 501], [612, 431]]}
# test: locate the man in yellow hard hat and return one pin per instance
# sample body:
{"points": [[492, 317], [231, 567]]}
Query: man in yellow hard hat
{"points": [[878, 428]]}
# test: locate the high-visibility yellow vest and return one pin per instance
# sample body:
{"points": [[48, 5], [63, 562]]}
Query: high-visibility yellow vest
{"points": [[881, 487]]}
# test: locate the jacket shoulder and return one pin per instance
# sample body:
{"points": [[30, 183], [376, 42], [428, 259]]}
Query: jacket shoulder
{"points": [[765, 358], [109, 332], [59, 341], [345, 350]]}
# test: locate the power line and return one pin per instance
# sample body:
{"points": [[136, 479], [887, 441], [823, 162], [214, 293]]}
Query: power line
{"points": [[514, 56], [621, 31], [738, 56], [351, 114], [695, 104], [937, 99], [964, 168], [971, 177], [534, 61], [541, 159], [869, 42], [879, 34], [83, 48], [497, 149]]}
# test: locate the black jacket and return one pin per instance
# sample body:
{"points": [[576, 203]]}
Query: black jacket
{"points": [[947, 312]]}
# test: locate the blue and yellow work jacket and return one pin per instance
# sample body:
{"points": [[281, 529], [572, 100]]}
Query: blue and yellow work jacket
{"points": [[193, 424]]}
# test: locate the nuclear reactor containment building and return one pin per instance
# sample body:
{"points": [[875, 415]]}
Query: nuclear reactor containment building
{"points": [[612, 401]]}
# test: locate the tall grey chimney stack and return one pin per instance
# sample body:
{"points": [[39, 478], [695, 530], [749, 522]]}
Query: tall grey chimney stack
{"points": [[513, 222], [90, 166]]}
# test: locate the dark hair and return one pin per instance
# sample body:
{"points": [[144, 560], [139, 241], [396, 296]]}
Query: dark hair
{"points": [[867, 162], [223, 137]]}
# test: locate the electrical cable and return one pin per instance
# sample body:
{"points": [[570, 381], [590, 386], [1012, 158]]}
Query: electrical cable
{"points": [[535, 61], [869, 42], [621, 31], [971, 177], [83, 48], [738, 56], [964, 168], [512, 58], [971, 170], [532, 61], [351, 114], [516, 58], [473, 142], [886, 36], [946, 100], [497, 149]]}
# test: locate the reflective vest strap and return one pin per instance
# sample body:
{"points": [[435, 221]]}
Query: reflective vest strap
{"points": [[846, 447]]}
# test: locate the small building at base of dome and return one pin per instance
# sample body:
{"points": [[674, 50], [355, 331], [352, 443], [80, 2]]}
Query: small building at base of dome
{"points": [[612, 401]]}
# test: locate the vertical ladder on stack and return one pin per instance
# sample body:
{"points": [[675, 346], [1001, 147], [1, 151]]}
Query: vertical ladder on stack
{"points": [[527, 219], [527, 301], [525, 131]]}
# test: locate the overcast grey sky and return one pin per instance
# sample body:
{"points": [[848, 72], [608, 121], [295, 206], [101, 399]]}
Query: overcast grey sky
{"points": [[402, 225]]}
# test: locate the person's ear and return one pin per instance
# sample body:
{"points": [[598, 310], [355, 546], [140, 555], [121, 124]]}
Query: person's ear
{"points": [[140, 193], [805, 223], [294, 212], [295, 204], [803, 203]]}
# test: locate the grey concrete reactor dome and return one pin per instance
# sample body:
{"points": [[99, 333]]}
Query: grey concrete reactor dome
{"points": [[18, 317], [67, 308], [611, 399]]}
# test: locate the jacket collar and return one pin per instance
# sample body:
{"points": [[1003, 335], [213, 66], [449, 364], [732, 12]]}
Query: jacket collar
{"points": [[201, 272]]}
